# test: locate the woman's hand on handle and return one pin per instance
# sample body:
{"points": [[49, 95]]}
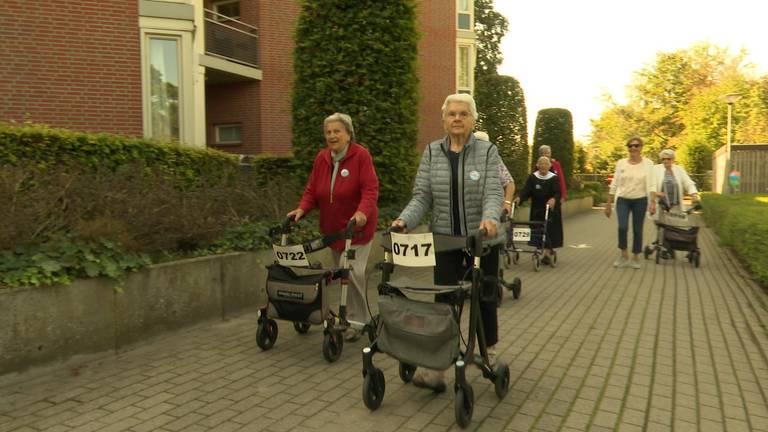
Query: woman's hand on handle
{"points": [[551, 202], [296, 214], [490, 228], [360, 219], [400, 224]]}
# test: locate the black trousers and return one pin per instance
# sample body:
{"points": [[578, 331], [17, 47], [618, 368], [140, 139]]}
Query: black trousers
{"points": [[452, 267]]}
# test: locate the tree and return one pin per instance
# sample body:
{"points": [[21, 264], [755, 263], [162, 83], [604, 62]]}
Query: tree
{"points": [[490, 28], [554, 127], [503, 115], [357, 59]]}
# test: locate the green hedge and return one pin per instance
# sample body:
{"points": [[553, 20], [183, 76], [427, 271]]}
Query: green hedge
{"points": [[741, 223], [43, 147]]}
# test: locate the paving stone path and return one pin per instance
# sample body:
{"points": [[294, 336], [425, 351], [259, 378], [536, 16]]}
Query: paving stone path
{"points": [[590, 347]]}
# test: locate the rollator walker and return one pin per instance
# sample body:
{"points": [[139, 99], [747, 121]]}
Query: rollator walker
{"points": [[298, 291], [419, 323]]}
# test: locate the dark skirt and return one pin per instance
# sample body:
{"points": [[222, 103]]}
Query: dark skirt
{"points": [[554, 238]]}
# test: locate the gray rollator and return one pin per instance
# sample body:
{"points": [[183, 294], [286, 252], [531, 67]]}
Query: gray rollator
{"points": [[420, 325]]}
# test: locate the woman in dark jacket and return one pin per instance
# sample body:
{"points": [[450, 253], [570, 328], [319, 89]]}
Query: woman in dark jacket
{"points": [[543, 188]]}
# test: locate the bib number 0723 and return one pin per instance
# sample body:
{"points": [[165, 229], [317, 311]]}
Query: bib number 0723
{"points": [[413, 250]]}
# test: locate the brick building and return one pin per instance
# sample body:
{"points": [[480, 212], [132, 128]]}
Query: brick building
{"points": [[203, 72]]}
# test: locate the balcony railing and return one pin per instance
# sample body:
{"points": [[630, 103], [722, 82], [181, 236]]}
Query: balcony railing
{"points": [[231, 39]]}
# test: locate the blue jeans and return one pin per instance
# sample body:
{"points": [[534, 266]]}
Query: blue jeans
{"points": [[637, 207]]}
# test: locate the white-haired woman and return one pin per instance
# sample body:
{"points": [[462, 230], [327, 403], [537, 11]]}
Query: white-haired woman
{"points": [[458, 180], [672, 182], [343, 185], [542, 187]]}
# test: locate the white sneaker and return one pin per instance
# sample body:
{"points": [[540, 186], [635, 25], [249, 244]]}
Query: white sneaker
{"points": [[621, 262], [635, 264]]}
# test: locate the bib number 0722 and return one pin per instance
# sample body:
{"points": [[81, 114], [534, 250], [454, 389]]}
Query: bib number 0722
{"points": [[413, 250]]}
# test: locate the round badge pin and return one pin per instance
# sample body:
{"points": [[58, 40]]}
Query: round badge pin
{"points": [[344, 172], [474, 175]]}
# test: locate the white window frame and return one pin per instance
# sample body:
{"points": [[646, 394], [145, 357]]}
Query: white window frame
{"points": [[217, 137], [471, 67], [181, 31], [470, 12]]}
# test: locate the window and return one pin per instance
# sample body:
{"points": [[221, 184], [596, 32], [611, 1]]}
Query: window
{"points": [[229, 133], [464, 12], [228, 8], [164, 79], [463, 68]]}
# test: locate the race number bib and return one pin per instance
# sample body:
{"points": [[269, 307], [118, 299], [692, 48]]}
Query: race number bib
{"points": [[291, 256], [413, 250], [681, 216], [521, 234]]}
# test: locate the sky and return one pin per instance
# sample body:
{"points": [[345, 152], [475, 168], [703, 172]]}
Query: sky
{"points": [[569, 53]]}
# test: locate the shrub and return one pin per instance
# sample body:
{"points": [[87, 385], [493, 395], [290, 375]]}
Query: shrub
{"points": [[740, 222], [357, 59]]}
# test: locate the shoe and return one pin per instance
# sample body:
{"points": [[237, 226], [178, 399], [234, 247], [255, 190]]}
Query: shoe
{"points": [[635, 264], [545, 260], [351, 335], [431, 379], [621, 262]]}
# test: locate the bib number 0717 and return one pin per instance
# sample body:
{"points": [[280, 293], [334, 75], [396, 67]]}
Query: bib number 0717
{"points": [[413, 250]]}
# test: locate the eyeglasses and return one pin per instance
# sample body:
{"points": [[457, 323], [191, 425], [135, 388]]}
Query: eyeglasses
{"points": [[634, 145]]}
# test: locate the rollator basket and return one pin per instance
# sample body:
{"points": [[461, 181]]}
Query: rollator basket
{"points": [[680, 238], [418, 333], [298, 297]]}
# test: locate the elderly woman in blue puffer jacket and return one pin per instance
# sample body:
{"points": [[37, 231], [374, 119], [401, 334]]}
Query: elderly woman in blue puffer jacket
{"points": [[458, 179]]}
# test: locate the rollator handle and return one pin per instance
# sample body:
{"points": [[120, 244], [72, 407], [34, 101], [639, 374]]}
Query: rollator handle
{"points": [[475, 245], [350, 230]]}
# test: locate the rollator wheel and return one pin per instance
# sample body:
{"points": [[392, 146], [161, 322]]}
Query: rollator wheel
{"points": [[301, 327], [658, 256], [647, 252], [553, 260], [516, 257], [697, 259], [536, 263], [464, 404], [517, 288], [333, 344], [373, 389], [406, 372], [501, 384], [266, 334]]}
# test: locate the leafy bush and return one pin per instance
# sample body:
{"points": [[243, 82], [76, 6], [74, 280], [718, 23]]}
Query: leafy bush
{"points": [[740, 222], [78, 205], [43, 147], [357, 59]]}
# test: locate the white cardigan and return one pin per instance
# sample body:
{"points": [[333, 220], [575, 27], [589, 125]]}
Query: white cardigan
{"points": [[684, 183], [621, 165]]}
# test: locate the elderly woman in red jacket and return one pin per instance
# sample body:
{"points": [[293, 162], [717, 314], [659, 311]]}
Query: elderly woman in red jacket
{"points": [[343, 185]]}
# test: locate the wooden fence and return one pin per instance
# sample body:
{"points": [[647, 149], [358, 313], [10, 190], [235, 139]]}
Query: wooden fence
{"points": [[749, 159]]}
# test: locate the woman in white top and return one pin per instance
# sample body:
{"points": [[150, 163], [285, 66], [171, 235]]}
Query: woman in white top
{"points": [[633, 186], [672, 182]]}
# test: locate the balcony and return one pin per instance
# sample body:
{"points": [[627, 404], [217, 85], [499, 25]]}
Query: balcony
{"points": [[231, 39]]}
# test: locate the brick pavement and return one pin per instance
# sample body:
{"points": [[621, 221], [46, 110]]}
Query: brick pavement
{"points": [[590, 347]]}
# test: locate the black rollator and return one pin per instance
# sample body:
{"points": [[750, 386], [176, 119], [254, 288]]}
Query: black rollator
{"points": [[297, 290], [419, 324]]}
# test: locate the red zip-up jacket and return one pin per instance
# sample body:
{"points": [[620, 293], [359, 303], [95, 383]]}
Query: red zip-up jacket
{"points": [[356, 189]]}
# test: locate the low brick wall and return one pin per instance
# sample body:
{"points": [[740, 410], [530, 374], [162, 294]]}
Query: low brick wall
{"points": [[44, 324]]}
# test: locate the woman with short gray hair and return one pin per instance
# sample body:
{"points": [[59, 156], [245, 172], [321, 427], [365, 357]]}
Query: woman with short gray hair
{"points": [[672, 181]]}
